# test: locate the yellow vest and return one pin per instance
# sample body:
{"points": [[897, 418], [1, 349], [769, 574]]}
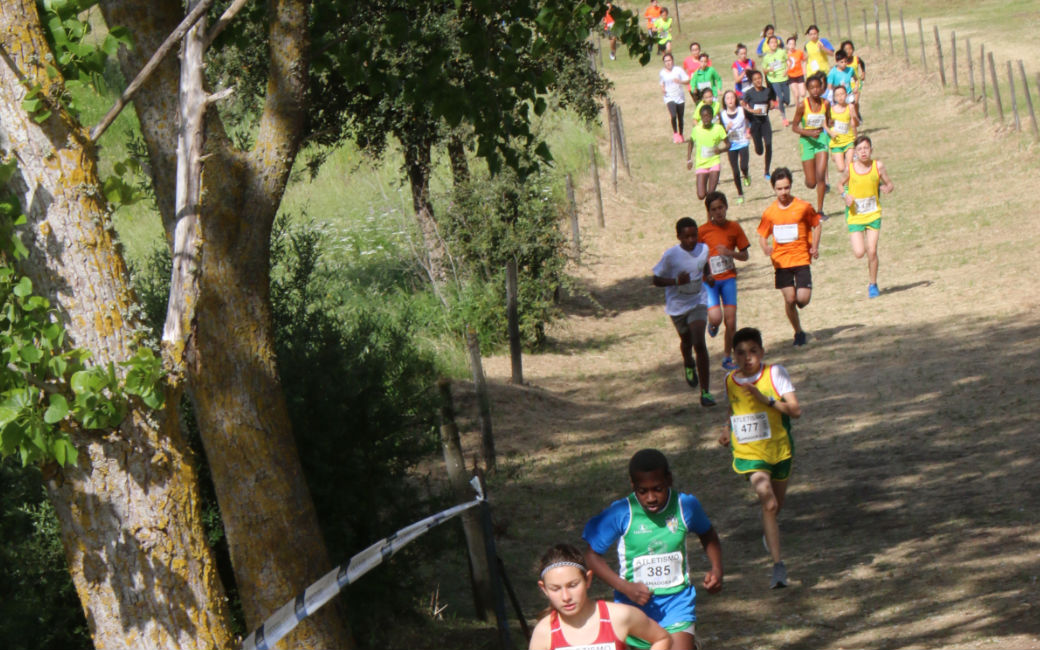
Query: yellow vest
{"points": [[767, 431], [866, 199], [839, 140]]}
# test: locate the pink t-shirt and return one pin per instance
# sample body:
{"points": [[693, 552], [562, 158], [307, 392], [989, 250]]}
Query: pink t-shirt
{"points": [[691, 64]]}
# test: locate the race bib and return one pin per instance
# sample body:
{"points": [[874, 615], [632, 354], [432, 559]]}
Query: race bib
{"points": [[776, 65], [751, 427], [814, 120], [785, 233], [840, 128], [597, 646], [719, 264], [690, 288], [814, 65], [864, 206], [701, 85], [708, 151], [658, 571], [737, 136], [759, 109]]}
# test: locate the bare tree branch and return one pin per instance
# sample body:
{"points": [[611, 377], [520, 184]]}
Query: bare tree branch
{"points": [[189, 21], [222, 22]]}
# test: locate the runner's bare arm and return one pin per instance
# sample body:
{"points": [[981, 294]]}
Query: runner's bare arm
{"points": [[766, 247], [886, 182], [637, 592], [633, 622], [814, 249], [713, 549]]}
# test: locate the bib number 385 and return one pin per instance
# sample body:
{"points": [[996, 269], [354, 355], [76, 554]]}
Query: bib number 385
{"points": [[658, 571]]}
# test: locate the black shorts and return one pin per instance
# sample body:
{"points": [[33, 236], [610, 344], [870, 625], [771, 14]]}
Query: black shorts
{"points": [[799, 277], [800, 79]]}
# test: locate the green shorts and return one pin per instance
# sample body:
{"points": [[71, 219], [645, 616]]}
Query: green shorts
{"points": [[685, 626], [860, 227], [813, 146], [778, 472], [841, 148]]}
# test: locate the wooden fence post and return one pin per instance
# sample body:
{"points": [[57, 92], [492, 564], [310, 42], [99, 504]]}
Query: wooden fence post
{"points": [[888, 18], [1014, 100], [614, 147], [938, 51], [953, 52], [609, 105], [848, 19], [619, 126], [906, 48], [572, 207], [516, 360], [982, 76], [1029, 98], [920, 33], [476, 366], [971, 69], [837, 20], [595, 182], [480, 578], [996, 86], [877, 25], [826, 17], [678, 23], [866, 34], [794, 17], [772, 8], [814, 20]]}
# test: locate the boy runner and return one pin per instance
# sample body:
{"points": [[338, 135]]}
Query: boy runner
{"points": [[865, 179], [726, 242], [762, 403], [795, 228], [650, 527], [680, 272]]}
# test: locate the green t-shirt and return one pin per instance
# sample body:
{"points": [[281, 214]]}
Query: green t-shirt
{"points": [[653, 549], [664, 30], [704, 141], [706, 78], [775, 65]]}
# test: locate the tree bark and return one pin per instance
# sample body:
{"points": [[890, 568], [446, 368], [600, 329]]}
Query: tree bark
{"points": [[272, 529], [129, 511], [417, 147]]}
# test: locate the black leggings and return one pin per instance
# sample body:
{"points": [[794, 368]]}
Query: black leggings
{"points": [[743, 155], [762, 136], [676, 112]]}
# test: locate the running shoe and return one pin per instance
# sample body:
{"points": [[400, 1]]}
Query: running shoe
{"points": [[799, 338], [740, 200], [676, 138], [873, 291], [612, 56], [786, 122], [714, 329], [707, 399], [727, 364], [747, 181], [827, 188], [767, 177], [691, 376], [779, 580]]}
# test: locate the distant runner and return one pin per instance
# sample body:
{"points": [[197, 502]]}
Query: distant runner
{"points": [[865, 179], [726, 242]]}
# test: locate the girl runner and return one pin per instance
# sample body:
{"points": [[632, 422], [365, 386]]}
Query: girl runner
{"points": [[726, 242], [756, 103], [709, 140], [857, 64], [706, 77], [795, 72], [841, 127], [866, 179], [708, 98], [810, 118], [737, 132], [741, 68], [672, 80], [575, 621], [816, 51], [775, 65], [767, 32]]}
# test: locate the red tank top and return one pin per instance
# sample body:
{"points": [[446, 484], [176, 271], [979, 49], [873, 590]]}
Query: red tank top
{"points": [[605, 640]]}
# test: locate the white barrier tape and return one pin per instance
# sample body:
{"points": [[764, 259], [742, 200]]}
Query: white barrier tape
{"points": [[289, 615]]}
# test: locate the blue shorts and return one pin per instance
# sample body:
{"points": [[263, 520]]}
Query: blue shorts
{"points": [[724, 292], [671, 610]]}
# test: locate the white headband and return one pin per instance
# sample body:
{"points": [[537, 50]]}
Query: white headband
{"points": [[556, 565]]}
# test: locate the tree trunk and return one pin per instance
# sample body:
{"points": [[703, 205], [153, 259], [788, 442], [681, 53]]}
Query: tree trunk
{"points": [[417, 163], [272, 529], [129, 510]]}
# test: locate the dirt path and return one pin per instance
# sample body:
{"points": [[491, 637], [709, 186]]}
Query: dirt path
{"points": [[912, 519]]}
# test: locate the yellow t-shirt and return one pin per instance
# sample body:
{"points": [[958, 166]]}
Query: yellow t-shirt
{"points": [[844, 132], [866, 197], [704, 141], [757, 431], [816, 59]]}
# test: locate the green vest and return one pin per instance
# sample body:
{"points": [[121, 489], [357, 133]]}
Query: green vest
{"points": [[653, 549]]}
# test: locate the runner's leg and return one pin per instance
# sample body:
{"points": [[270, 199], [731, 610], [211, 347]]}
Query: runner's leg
{"points": [[762, 484], [872, 258]]}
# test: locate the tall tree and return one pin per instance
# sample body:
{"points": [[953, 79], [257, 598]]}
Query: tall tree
{"points": [[129, 509]]}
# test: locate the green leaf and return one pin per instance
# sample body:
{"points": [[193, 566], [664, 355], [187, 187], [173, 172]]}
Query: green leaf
{"points": [[31, 104], [86, 382], [58, 409], [40, 118], [23, 288], [30, 354], [64, 453]]}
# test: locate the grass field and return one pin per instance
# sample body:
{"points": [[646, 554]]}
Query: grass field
{"points": [[910, 521]]}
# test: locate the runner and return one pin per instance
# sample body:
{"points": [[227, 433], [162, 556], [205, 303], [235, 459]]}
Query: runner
{"points": [[577, 622], [726, 242], [672, 80], [710, 141], [650, 528], [737, 132], [810, 118], [741, 68], [841, 128], [680, 271], [816, 52], [706, 78], [762, 402], [767, 32], [795, 72], [608, 31], [775, 65], [841, 75], [708, 98], [652, 13], [795, 228], [857, 64], [756, 103], [663, 27], [865, 179]]}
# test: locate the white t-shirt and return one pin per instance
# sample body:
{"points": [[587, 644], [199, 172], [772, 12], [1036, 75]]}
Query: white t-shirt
{"points": [[682, 298], [781, 380], [673, 84]]}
